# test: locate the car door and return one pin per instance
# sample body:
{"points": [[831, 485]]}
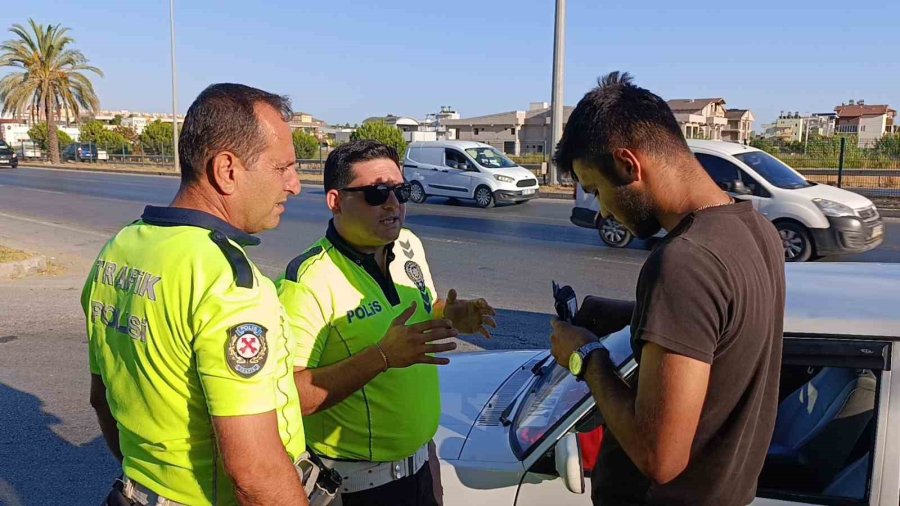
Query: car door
{"points": [[831, 442], [427, 166], [725, 173], [459, 173]]}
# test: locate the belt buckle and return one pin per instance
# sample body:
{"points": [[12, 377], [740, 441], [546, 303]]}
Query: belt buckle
{"points": [[397, 470]]}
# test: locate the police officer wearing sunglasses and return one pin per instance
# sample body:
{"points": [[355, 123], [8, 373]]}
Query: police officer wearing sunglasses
{"points": [[368, 323]]}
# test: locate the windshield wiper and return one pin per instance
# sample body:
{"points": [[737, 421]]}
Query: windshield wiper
{"points": [[537, 370]]}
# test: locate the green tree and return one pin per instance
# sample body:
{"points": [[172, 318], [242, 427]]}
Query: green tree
{"points": [[52, 75], [383, 133], [117, 120], [889, 145], [156, 139], [305, 145], [38, 134], [92, 132], [113, 142]]}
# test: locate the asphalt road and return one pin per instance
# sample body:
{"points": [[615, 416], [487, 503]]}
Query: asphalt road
{"points": [[50, 449], [507, 254]]}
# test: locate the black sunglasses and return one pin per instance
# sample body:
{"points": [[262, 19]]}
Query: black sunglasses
{"points": [[377, 194]]}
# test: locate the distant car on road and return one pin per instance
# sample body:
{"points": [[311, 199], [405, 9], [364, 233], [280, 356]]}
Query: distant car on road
{"points": [[814, 220], [467, 170], [8, 156], [518, 429], [80, 152]]}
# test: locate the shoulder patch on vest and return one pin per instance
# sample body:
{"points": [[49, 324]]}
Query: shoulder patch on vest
{"points": [[293, 269], [243, 273], [246, 349]]}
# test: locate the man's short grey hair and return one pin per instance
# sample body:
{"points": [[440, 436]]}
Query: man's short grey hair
{"points": [[222, 118]]}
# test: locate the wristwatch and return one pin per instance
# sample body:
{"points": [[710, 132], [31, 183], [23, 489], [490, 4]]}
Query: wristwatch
{"points": [[578, 358]]}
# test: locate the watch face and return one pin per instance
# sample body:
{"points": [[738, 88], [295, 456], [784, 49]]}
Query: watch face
{"points": [[575, 363]]}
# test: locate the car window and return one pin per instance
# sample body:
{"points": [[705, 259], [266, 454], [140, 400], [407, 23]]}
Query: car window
{"points": [[454, 159], [773, 170], [755, 187], [491, 158], [414, 155], [432, 156], [825, 431], [723, 172]]}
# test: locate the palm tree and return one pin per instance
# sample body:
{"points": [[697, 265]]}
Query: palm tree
{"points": [[51, 79]]}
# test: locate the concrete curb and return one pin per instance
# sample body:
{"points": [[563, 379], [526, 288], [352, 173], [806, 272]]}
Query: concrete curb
{"points": [[103, 171], [23, 268]]}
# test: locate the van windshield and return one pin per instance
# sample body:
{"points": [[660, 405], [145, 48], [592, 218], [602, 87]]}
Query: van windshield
{"points": [[773, 170], [490, 158]]}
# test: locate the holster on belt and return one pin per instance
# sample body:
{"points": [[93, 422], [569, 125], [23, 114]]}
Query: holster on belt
{"points": [[116, 496], [321, 483]]}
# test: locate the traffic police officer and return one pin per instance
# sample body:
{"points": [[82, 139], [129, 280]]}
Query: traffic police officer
{"points": [[190, 359], [363, 306]]}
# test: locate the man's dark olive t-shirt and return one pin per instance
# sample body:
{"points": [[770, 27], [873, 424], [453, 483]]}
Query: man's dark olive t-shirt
{"points": [[713, 291]]}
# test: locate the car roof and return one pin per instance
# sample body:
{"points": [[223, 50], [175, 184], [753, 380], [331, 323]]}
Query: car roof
{"points": [[846, 299], [449, 144], [724, 147]]}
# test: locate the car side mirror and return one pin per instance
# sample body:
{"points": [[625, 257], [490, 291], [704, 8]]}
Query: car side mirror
{"points": [[738, 188], [568, 463]]}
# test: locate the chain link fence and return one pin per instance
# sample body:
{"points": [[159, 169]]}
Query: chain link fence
{"points": [[872, 169]]}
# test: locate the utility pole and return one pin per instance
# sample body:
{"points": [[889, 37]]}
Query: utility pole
{"points": [[174, 88], [556, 104]]}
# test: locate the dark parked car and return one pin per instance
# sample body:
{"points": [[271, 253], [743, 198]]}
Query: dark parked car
{"points": [[80, 152], [8, 156]]}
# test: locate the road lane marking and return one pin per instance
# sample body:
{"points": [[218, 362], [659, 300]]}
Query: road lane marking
{"points": [[615, 261], [42, 191], [56, 225], [448, 241]]}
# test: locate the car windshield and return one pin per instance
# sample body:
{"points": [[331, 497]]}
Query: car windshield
{"points": [[548, 400], [773, 170], [490, 158]]}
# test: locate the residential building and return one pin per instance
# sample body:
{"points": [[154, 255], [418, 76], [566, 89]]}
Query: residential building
{"points": [[821, 124], [136, 123], [739, 127], [868, 122], [513, 132], [700, 118], [789, 127], [307, 123]]}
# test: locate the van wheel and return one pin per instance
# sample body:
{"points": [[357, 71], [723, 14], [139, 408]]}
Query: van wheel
{"points": [[417, 193], [795, 239], [613, 234], [484, 197]]}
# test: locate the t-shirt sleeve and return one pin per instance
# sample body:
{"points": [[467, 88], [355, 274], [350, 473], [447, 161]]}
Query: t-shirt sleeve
{"points": [[306, 319], [682, 301], [233, 336]]}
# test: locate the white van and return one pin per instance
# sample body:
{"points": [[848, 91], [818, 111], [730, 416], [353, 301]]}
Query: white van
{"points": [[468, 170], [813, 219]]}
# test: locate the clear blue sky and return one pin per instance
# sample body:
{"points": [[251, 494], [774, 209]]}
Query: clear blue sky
{"points": [[344, 61]]}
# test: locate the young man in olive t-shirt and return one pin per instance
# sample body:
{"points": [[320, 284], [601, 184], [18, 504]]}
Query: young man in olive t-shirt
{"points": [[706, 324]]}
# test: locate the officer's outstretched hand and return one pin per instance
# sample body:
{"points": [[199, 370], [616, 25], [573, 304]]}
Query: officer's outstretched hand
{"points": [[470, 316], [407, 345]]}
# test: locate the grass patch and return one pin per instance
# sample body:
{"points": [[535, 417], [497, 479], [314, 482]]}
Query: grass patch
{"points": [[12, 255]]}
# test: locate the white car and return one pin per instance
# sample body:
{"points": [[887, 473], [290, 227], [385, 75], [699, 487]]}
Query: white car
{"points": [[466, 170], [517, 429], [813, 219]]}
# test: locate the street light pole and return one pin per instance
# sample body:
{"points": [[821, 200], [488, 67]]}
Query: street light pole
{"points": [[174, 88], [556, 100]]}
